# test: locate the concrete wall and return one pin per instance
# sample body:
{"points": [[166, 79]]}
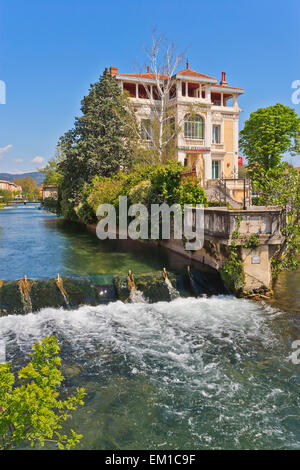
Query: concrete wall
{"points": [[257, 267], [219, 225]]}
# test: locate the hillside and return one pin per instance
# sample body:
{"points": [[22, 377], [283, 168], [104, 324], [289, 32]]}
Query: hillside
{"points": [[36, 175]]}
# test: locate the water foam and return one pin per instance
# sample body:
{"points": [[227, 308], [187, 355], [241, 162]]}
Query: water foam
{"points": [[212, 367]]}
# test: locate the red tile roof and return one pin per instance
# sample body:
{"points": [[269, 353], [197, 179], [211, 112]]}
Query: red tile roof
{"points": [[192, 73], [226, 86], [148, 75]]}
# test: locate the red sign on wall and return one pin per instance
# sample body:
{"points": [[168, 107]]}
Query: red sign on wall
{"points": [[240, 160]]}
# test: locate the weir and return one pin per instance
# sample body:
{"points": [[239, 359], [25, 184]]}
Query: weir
{"points": [[25, 296]]}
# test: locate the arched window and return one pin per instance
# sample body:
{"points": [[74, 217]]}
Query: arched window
{"points": [[193, 127]]}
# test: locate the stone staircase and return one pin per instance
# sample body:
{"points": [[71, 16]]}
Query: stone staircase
{"points": [[218, 193]]}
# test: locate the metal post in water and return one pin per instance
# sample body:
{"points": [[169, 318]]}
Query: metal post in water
{"points": [[24, 288], [59, 283], [131, 283]]}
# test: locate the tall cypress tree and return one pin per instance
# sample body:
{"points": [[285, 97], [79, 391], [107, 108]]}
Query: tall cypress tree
{"points": [[102, 139]]}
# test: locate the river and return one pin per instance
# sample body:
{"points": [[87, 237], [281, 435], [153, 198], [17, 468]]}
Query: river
{"points": [[207, 373]]}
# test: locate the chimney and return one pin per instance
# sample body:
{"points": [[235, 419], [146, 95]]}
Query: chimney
{"points": [[148, 69], [223, 81], [113, 71]]}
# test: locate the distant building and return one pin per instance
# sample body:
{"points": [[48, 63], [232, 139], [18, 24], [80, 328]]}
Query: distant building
{"points": [[10, 186], [49, 191]]}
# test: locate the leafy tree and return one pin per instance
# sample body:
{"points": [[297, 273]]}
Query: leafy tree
{"points": [[102, 139], [6, 195], [51, 171], [270, 133], [281, 186], [29, 187], [32, 411]]}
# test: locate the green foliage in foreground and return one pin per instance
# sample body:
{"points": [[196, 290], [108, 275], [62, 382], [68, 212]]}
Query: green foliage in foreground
{"points": [[32, 411]]}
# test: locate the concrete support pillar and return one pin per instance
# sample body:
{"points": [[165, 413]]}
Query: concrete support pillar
{"points": [[186, 89], [235, 101], [208, 93], [208, 130], [181, 156], [222, 168], [207, 166], [136, 90], [179, 89], [235, 147]]}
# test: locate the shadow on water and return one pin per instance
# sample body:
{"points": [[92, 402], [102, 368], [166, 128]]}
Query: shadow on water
{"points": [[287, 291]]}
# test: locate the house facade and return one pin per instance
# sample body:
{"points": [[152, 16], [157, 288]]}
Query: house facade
{"points": [[10, 186], [49, 191], [206, 114]]}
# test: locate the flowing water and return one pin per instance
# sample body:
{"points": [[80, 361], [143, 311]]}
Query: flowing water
{"points": [[206, 373]]}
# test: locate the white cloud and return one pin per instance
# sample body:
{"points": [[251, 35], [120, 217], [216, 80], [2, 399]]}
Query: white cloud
{"points": [[18, 160], [3, 150], [38, 159]]}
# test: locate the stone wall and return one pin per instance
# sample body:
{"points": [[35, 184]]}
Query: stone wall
{"points": [[219, 225]]}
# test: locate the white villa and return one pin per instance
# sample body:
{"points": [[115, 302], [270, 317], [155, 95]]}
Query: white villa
{"points": [[208, 141]]}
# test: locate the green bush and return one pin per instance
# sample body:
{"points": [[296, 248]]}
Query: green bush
{"points": [[105, 190], [141, 193], [6, 196], [151, 184], [191, 193], [86, 213], [50, 204], [67, 206]]}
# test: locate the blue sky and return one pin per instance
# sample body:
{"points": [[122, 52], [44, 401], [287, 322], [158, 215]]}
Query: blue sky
{"points": [[51, 50]]}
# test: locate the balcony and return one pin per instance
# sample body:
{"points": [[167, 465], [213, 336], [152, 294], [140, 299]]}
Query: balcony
{"points": [[217, 147]]}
